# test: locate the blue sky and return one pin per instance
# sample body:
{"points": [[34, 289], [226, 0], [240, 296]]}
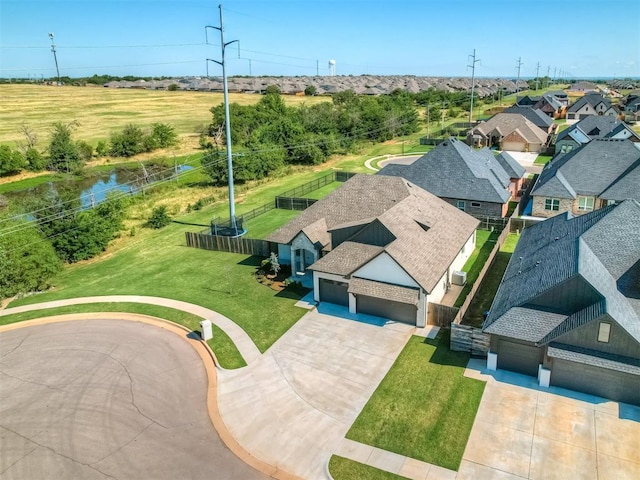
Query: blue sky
{"points": [[586, 38]]}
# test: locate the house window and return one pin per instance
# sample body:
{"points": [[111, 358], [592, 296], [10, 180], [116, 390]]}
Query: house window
{"points": [[585, 204], [604, 332], [552, 204], [566, 148], [461, 204], [610, 202], [475, 204]]}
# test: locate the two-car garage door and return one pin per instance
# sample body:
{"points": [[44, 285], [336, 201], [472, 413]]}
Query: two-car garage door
{"points": [[380, 307], [333, 291], [615, 385]]}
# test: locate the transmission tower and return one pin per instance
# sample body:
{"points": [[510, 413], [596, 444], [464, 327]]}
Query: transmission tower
{"points": [[518, 66], [55, 57], [472, 65], [223, 47]]}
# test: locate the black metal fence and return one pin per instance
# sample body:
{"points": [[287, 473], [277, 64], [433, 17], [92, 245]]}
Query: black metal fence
{"points": [[294, 203]]}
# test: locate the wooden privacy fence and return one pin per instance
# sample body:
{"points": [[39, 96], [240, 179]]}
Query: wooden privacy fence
{"points": [[469, 339], [243, 245], [441, 315]]}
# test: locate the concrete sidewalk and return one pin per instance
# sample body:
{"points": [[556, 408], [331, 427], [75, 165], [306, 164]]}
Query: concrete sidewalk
{"points": [[240, 338]]}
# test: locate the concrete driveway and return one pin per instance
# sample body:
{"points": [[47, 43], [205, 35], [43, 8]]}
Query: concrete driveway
{"points": [[107, 399], [293, 406], [523, 431]]}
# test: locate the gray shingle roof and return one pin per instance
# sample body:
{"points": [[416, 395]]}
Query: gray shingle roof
{"points": [[596, 249], [455, 170], [525, 324], [394, 293], [511, 165], [589, 170], [594, 358], [535, 116], [507, 123], [592, 99], [346, 258], [400, 207], [594, 126]]}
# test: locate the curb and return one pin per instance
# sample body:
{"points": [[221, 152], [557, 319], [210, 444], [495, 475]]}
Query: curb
{"points": [[209, 361]]}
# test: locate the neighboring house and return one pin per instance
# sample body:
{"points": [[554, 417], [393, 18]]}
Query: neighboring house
{"points": [[540, 119], [509, 131], [585, 87], [588, 178], [631, 110], [472, 180], [379, 245], [515, 171], [568, 307], [551, 106], [527, 100], [560, 95], [590, 128], [590, 104]]}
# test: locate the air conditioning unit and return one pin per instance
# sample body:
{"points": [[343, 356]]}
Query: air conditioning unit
{"points": [[458, 277]]}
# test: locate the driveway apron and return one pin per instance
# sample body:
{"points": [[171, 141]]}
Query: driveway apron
{"points": [[293, 406]]}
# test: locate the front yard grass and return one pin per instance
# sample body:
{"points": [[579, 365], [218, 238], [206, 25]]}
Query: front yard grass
{"points": [[484, 296], [485, 241], [424, 408], [225, 350], [344, 469], [543, 159]]}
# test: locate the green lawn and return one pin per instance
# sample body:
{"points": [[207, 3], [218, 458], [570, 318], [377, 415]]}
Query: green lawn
{"points": [[323, 191], [266, 223], [543, 159], [345, 469], [424, 408], [484, 296], [158, 263], [225, 350], [485, 241]]}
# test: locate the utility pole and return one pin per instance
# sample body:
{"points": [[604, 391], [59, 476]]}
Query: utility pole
{"points": [[548, 71], [518, 66], [223, 46], [55, 57], [472, 66], [317, 68], [555, 76], [428, 119], [537, 75]]}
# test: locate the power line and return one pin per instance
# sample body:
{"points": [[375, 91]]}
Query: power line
{"points": [[98, 47]]}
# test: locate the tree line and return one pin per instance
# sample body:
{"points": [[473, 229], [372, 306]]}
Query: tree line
{"points": [[64, 154], [269, 135]]}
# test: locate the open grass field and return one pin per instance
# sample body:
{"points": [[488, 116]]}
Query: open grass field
{"points": [[424, 407], [99, 110]]}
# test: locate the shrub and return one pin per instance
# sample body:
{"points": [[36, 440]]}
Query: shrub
{"points": [[35, 160], [159, 218]]}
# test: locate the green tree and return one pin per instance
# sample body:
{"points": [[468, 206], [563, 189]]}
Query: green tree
{"points": [[159, 218], [28, 262], [63, 152], [172, 87], [35, 160], [272, 90], [164, 135], [128, 142], [310, 91], [85, 150], [11, 161]]}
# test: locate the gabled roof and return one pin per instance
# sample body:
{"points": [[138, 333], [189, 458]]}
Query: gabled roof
{"points": [[594, 126], [592, 99], [534, 115], [598, 249], [589, 170], [455, 170], [553, 101], [510, 165], [509, 122], [403, 209]]}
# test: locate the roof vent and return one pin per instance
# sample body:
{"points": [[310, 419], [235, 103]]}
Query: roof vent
{"points": [[557, 238]]}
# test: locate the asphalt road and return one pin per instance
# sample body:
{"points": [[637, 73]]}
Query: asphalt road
{"points": [[106, 399]]}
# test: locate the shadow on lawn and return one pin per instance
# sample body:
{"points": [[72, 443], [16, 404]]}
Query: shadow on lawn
{"points": [[443, 355], [251, 261]]}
